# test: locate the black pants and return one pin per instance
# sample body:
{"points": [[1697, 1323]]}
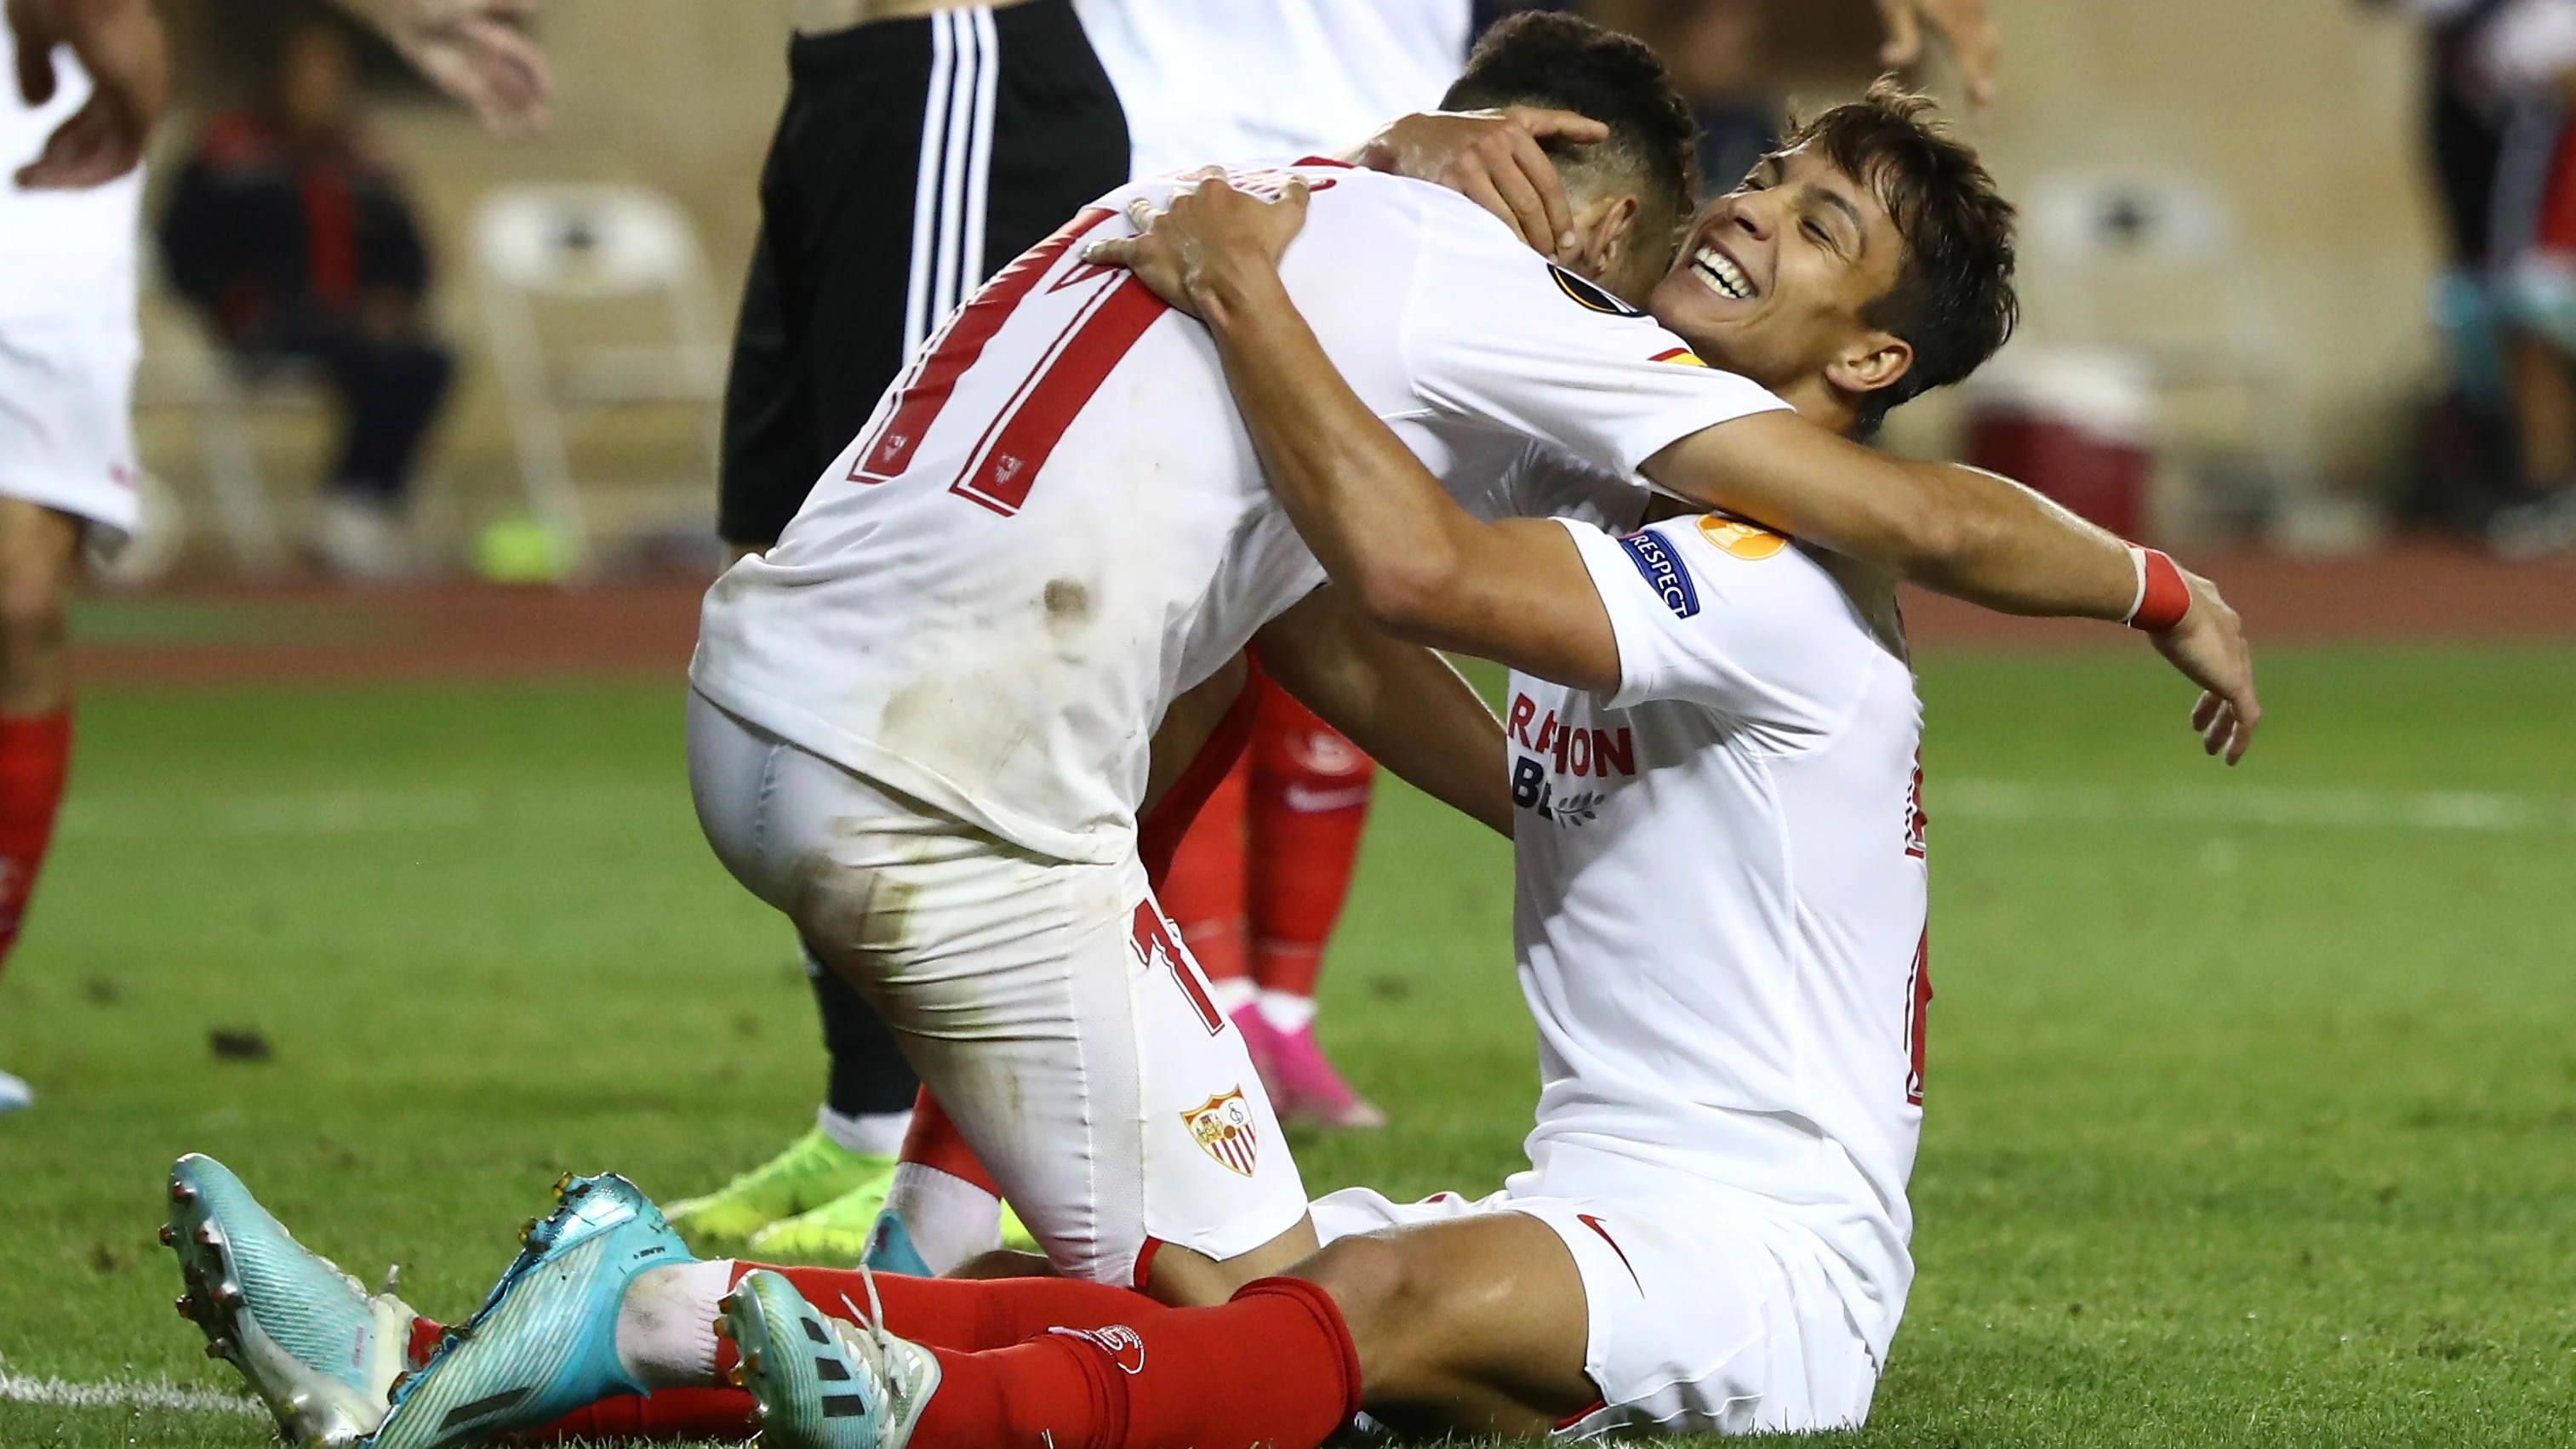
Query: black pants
{"points": [[914, 159], [389, 393]]}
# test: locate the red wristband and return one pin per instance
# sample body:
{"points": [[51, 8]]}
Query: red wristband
{"points": [[2163, 598]]}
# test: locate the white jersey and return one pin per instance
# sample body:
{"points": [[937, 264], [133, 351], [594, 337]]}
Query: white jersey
{"points": [[1055, 522], [1721, 889], [1233, 79], [64, 255]]}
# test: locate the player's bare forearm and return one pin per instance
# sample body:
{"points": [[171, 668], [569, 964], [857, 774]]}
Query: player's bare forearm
{"points": [[1515, 591], [1947, 528], [1400, 702]]}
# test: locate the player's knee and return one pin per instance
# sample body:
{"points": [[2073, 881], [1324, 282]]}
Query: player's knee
{"points": [[35, 613], [1389, 1305]]}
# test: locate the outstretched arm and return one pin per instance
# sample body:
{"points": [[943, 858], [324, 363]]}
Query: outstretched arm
{"points": [[1424, 569]]}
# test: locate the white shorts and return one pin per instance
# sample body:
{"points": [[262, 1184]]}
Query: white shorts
{"points": [[1048, 1006], [1706, 1318], [67, 418]]}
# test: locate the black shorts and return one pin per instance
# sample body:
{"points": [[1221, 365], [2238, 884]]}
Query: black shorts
{"points": [[871, 213]]}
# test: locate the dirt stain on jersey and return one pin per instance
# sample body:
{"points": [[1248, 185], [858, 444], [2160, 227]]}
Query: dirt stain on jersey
{"points": [[1068, 604]]}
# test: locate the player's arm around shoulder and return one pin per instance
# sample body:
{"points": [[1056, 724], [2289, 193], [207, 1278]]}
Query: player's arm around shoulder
{"points": [[1418, 565]]}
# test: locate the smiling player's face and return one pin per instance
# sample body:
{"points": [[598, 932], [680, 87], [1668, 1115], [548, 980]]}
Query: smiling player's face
{"points": [[1773, 276]]}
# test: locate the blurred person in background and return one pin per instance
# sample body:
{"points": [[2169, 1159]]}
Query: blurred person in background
{"points": [[300, 246], [2505, 163], [87, 79]]}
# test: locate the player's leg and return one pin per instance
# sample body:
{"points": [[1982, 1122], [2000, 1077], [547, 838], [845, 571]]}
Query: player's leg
{"points": [[66, 462], [1308, 801], [1204, 891], [1045, 1004], [943, 1211], [834, 1177], [39, 558], [1476, 1325]]}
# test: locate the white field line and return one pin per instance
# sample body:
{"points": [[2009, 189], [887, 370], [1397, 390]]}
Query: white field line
{"points": [[157, 1394], [2475, 811], [396, 812]]}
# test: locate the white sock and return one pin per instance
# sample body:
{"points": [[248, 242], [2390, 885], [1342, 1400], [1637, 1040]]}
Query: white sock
{"points": [[949, 1218], [666, 1325], [870, 1134], [1287, 1011], [1233, 993]]}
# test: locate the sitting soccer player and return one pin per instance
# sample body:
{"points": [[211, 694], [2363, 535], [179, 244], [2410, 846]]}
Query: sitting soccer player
{"points": [[1712, 740]]}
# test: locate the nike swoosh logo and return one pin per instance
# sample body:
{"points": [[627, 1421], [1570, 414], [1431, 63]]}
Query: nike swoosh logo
{"points": [[1589, 1221]]}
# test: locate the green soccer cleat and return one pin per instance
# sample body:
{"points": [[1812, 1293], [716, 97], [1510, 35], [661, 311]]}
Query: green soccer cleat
{"points": [[822, 1382], [856, 1229], [811, 1174], [834, 1235], [544, 1343], [317, 1348]]}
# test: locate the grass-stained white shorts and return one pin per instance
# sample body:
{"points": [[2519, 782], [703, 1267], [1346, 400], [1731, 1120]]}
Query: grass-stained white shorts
{"points": [[1049, 1006]]}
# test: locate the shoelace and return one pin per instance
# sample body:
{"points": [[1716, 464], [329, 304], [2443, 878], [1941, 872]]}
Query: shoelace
{"points": [[873, 1322]]}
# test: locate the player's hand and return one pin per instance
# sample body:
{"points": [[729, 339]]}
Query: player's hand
{"points": [[120, 44], [2208, 646], [1963, 23], [1493, 159], [1209, 244], [476, 51]]}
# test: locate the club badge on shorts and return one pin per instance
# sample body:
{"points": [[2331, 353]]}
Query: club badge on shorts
{"points": [[1222, 1126]]}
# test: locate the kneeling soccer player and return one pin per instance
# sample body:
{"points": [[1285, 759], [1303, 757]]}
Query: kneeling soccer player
{"points": [[1712, 738]]}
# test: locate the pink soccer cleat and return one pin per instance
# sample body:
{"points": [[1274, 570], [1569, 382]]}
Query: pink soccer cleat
{"points": [[1303, 1085]]}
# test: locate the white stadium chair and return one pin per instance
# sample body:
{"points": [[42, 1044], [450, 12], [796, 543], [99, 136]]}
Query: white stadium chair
{"points": [[549, 258], [2149, 261]]}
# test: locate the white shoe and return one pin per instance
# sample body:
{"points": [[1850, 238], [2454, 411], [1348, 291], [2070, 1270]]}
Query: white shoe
{"points": [[361, 539], [15, 1093]]}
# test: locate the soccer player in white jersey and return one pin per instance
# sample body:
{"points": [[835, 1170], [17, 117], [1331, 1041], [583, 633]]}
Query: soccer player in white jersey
{"points": [[1055, 523], [1713, 741], [86, 78], [1721, 914]]}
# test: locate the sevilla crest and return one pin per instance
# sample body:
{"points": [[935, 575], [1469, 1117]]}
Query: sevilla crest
{"points": [[1222, 1126]]}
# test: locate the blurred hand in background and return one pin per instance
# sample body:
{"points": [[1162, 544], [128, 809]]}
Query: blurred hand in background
{"points": [[120, 44], [1962, 24], [475, 50]]}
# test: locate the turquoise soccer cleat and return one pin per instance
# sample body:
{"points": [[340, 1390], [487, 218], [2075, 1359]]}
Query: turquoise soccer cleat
{"points": [[544, 1343], [317, 1348], [822, 1382]]}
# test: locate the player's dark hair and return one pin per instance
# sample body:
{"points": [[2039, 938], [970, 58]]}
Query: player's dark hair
{"points": [[1566, 63], [1953, 302]]}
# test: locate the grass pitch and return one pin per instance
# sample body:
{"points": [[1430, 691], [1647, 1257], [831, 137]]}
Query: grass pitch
{"points": [[2252, 1097]]}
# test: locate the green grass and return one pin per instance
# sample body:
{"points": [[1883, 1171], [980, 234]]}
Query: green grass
{"points": [[2249, 1125]]}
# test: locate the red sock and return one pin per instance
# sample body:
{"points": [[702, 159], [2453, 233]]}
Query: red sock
{"points": [[1310, 795], [35, 756], [1274, 1367], [972, 1315], [1203, 890], [934, 1141]]}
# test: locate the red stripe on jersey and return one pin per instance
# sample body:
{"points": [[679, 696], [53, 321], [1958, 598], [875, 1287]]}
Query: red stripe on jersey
{"points": [[958, 347], [1008, 463], [1918, 991], [1154, 942]]}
